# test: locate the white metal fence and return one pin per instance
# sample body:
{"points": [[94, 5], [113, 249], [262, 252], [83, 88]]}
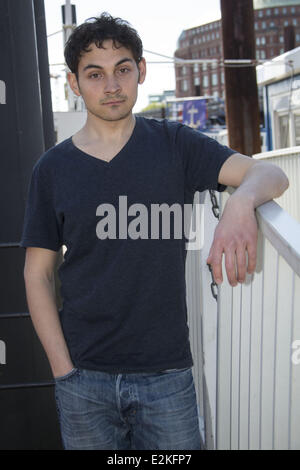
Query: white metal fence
{"points": [[248, 386], [289, 161]]}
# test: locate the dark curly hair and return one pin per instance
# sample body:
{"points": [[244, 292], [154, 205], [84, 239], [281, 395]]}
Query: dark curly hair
{"points": [[96, 30]]}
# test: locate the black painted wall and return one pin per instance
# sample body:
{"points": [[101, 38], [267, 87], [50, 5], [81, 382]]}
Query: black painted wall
{"points": [[28, 417]]}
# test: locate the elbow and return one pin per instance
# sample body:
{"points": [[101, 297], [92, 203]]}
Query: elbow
{"points": [[281, 181], [287, 182], [284, 183]]}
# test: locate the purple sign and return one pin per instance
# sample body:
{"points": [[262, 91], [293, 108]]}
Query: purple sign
{"points": [[194, 113]]}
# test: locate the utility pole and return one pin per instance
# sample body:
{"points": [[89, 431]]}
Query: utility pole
{"points": [[69, 23], [242, 107], [289, 38]]}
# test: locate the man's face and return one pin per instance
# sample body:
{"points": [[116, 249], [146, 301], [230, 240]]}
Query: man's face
{"points": [[108, 80]]}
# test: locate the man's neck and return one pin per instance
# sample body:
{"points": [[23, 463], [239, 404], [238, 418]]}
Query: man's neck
{"points": [[103, 131]]}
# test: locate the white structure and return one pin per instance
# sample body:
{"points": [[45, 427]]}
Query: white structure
{"points": [[67, 124], [273, 3], [280, 79], [258, 385], [246, 345], [289, 161]]}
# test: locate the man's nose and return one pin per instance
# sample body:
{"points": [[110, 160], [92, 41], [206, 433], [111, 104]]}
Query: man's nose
{"points": [[111, 84]]}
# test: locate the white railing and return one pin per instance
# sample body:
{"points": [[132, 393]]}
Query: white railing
{"points": [[247, 385], [289, 161]]}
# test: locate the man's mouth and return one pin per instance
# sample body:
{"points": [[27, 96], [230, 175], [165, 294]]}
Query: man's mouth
{"points": [[114, 102]]}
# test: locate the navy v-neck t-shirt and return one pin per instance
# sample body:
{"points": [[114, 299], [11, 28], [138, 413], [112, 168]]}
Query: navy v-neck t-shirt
{"points": [[124, 298]]}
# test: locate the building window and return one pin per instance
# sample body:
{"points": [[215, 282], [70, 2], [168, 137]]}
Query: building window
{"points": [[215, 79], [276, 11], [262, 54], [257, 41], [297, 128], [260, 13], [268, 12], [263, 40], [293, 10], [284, 11], [284, 137], [295, 22], [184, 86], [263, 25], [204, 67], [196, 81], [196, 67], [184, 70], [256, 25], [281, 39], [286, 23], [205, 81]]}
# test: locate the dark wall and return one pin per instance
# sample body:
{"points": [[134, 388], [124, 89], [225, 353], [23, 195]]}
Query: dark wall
{"points": [[27, 409]]}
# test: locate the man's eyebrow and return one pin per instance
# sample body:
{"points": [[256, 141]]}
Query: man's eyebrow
{"points": [[94, 66]]}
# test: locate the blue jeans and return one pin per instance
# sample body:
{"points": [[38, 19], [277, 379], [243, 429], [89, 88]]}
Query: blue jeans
{"points": [[104, 411]]}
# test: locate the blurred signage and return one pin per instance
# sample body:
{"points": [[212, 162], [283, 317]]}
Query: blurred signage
{"points": [[192, 112]]}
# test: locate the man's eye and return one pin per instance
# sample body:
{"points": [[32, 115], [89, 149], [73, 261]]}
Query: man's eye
{"points": [[124, 70], [94, 75]]}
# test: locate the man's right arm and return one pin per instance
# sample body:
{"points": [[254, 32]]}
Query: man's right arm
{"points": [[40, 293]]}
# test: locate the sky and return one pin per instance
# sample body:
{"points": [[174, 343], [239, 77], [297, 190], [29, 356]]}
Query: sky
{"points": [[158, 22]]}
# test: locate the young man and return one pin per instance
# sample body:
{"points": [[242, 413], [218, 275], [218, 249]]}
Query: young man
{"points": [[119, 348]]}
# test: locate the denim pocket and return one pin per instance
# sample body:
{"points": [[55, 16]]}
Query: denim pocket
{"points": [[66, 376]]}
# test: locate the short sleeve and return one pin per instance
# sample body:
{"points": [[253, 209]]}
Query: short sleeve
{"points": [[41, 227], [202, 158]]}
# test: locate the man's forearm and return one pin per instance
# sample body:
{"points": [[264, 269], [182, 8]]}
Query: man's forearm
{"points": [[261, 183], [42, 306]]}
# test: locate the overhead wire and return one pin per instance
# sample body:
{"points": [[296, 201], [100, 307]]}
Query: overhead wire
{"points": [[179, 60]]}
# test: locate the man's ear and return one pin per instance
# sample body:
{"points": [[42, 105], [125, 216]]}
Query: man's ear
{"points": [[73, 83], [142, 70]]}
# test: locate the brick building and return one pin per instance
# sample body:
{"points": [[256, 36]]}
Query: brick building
{"points": [[274, 19]]}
